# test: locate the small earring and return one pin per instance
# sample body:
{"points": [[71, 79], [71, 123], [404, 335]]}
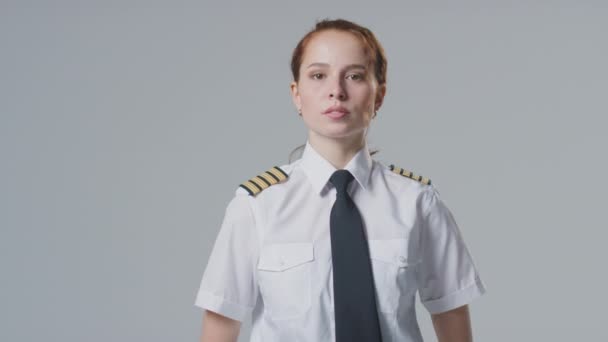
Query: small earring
{"points": [[300, 112]]}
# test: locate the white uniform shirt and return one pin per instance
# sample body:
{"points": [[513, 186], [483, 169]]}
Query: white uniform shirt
{"points": [[272, 256]]}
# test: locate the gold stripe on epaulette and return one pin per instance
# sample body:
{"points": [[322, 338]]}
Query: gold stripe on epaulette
{"points": [[264, 180], [409, 174]]}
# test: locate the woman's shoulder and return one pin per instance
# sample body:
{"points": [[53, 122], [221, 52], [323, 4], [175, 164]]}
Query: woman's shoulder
{"points": [[408, 173], [274, 175], [406, 183], [401, 173]]}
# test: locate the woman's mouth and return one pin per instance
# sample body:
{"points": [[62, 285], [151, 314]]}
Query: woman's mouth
{"points": [[336, 111], [336, 114]]}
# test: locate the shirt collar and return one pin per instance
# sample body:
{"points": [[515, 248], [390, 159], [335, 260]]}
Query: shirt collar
{"points": [[319, 170]]}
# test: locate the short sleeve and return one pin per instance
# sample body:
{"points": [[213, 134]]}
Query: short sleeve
{"points": [[228, 286], [447, 276]]}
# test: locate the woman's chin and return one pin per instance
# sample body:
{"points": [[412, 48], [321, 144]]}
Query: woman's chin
{"points": [[338, 132]]}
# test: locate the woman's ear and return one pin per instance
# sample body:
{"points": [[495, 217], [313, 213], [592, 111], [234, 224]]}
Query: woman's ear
{"points": [[380, 96], [295, 95]]}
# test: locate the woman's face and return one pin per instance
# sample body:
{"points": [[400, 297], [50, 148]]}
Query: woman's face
{"points": [[335, 72]]}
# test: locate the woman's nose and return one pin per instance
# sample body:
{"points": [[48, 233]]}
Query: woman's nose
{"points": [[337, 91]]}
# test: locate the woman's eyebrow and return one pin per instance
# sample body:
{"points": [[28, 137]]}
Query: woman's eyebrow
{"points": [[350, 66]]}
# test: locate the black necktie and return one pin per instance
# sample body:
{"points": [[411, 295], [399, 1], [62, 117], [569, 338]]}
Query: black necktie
{"points": [[355, 310]]}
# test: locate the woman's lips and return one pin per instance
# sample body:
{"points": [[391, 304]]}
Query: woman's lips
{"points": [[336, 114]]}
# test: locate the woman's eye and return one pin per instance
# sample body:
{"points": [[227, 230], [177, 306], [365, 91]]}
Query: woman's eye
{"points": [[356, 77]]}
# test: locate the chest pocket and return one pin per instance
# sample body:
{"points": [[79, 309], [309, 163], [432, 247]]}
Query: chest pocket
{"points": [[393, 271], [284, 278]]}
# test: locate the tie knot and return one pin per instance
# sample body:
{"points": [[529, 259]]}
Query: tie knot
{"points": [[340, 179]]}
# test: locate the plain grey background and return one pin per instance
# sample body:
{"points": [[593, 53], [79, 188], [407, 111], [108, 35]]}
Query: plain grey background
{"points": [[126, 126]]}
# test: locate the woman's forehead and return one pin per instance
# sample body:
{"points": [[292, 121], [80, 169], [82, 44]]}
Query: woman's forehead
{"points": [[335, 48]]}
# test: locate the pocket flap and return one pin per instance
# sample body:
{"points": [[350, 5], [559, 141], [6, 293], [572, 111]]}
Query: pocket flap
{"points": [[281, 256], [392, 251]]}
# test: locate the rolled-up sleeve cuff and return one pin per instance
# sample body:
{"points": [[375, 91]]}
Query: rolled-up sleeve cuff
{"points": [[220, 305], [456, 299]]}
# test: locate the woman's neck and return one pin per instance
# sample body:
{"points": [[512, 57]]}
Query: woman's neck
{"points": [[337, 151]]}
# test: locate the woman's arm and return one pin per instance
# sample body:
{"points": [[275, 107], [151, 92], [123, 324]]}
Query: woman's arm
{"points": [[453, 325], [218, 328]]}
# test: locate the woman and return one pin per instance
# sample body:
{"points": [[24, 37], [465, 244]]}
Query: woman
{"points": [[334, 246]]}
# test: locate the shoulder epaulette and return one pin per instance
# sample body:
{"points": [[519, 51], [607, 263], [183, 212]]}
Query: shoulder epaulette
{"points": [[409, 174], [272, 176]]}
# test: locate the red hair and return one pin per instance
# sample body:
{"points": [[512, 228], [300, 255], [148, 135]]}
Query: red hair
{"points": [[373, 48]]}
